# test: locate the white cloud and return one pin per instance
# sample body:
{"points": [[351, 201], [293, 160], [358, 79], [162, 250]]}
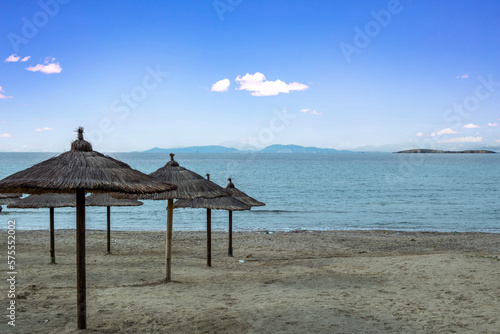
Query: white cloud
{"points": [[259, 86], [420, 134], [15, 58], [447, 131], [221, 86], [49, 67], [493, 124], [463, 140], [470, 126], [309, 111], [463, 76], [497, 141], [4, 96], [5, 135], [43, 129], [12, 58]]}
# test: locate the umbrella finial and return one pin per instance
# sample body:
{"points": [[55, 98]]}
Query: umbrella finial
{"points": [[81, 144], [208, 176], [172, 162], [230, 184], [80, 133]]}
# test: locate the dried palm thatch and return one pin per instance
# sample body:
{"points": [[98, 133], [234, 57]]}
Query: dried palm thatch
{"points": [[108, 201], [45, 201], [189, 184], [216, 203], [50, 201], [81, 168], [10, 195], [241, 196], [78, 171], [6, 199]]}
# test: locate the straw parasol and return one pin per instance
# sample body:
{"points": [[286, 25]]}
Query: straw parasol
{"points": [[50, 201], [241, 196], [79, 171], [217, 203], [6, 199], [108, 201], [189, 185]]}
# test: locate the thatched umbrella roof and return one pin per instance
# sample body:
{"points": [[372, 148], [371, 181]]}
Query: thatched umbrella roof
{"points": [[45, 201], [50, 201], [9, 195], [6, 199], [216, 203], [108, 201], [189, 184], [79, 171], [9, 198], [241, 196], [81, 168]]}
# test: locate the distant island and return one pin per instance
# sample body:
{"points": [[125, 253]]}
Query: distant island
{"points": [[268, 149], [419, 150]]}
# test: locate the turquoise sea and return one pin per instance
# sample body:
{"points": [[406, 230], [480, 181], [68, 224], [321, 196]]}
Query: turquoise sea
{"points": [[424, 192]]}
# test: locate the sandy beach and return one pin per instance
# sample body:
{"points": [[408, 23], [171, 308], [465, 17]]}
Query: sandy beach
{"points": [[293, 282]]}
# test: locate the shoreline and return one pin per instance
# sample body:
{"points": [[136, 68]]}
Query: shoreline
{"points": [[375, 281], [219, 230]]}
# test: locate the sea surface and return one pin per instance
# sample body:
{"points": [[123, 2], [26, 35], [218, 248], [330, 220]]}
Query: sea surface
{"points": [[411, 192]]}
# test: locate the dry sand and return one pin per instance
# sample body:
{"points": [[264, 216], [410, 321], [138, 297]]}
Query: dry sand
{"points": [[295, 282]]}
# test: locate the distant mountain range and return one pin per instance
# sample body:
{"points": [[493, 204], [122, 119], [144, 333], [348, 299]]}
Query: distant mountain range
{"points": [[298, 149], [195, 149], [222, 149]]}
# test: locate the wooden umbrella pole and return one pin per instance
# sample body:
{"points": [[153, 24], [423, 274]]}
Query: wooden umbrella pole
{"points": [[209, 237], [230, 249], [109, 229], [168, 250], [80, 260], [52, 246]]}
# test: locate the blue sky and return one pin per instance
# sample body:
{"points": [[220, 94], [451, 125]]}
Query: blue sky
{"points": [[337, 74]]}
